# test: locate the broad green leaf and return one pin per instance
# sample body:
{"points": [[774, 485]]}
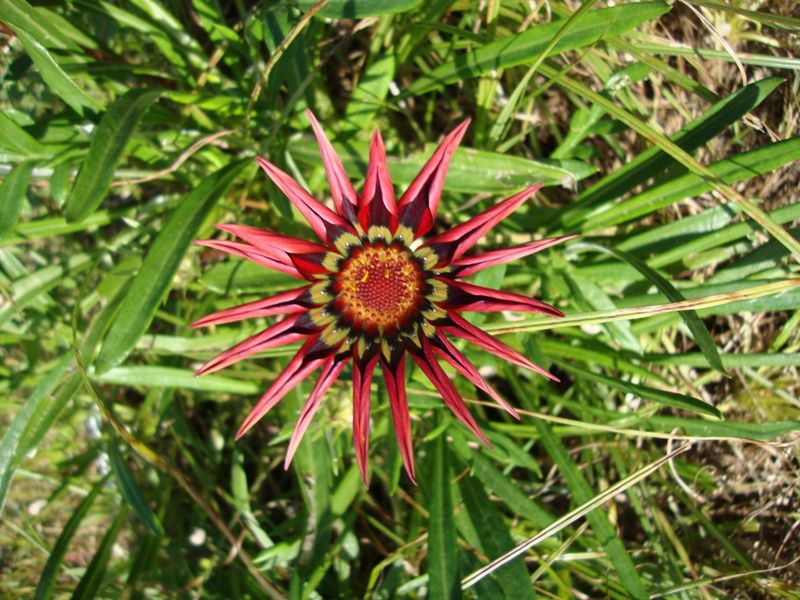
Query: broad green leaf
{"points": [[108, 143], [526, 46], [442, 547], [55, 77], [660, 396], [731, 361], [92, 579], [489, 534], [653, 161], [130, 490], [156, 376], [12, 195], [700, 333], [152, 282], [52, 567], [358, 9]]}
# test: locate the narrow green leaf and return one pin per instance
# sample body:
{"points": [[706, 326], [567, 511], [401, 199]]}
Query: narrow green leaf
{"points": [[583, 493], [370, 94], [10, 455], [660, 396], [471, 171], [108, 143], [526, 46], [733, 169], [47, 580], [19, 14], [151, 284], [700, 333], [442, 546], [147, 376], [92, 579], [16, 140], [130, 489], [703, 428], [12, 194], [490, 535], [55, 77], [693, 135], [358, 9]]}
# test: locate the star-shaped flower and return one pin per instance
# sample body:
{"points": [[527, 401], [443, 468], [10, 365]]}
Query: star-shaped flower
{"points": [[374, 289]]}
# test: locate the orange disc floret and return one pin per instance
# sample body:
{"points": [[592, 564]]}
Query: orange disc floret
{"points": [[379, 287]]}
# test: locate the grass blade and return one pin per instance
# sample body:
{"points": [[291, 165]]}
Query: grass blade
{"points": [[90, 583], [524, 47], [47, 581], [130, 490]]}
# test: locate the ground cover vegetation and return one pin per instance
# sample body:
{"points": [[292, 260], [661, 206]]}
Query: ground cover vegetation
{"points": [[665, 461]]}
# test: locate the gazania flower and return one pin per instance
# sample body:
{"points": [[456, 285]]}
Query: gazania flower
{"points": [[374, 289]]}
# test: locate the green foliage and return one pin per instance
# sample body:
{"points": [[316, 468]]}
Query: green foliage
{"points": [[127, 129]]}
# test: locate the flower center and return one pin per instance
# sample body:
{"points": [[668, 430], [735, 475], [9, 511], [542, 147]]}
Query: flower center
{"points": [[379, 287]]}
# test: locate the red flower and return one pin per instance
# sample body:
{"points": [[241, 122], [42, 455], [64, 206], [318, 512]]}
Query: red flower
{"points": [[375, 290]]}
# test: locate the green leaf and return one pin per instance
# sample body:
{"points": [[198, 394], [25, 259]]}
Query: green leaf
{"points": [[47, 580], [739, 167], [19, 14], [130, 489], [442, 547], [92, 579], [526, 46], [12, 195], [358, 9], [154, 376], [471, 171], [152, 282], [703, 428], [55, 77], [490, 535], [16, 140], [660, 396], [700, 333], [582, 493], [653, 161], [108, 144], [370, 94], [10, 445]]}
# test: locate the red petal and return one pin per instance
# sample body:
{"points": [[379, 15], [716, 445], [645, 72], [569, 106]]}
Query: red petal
{"points": [[252, 254], [269, 241], [377, 204], [464, 329], [286, 331], [330, 372], [395, 378], [469, 265], [451, 354], [362, 379], [455, 242], [430, 366], [325, 223], [466, 296], [344, 196], [307, 359], [285, 303], [417, 206]]}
